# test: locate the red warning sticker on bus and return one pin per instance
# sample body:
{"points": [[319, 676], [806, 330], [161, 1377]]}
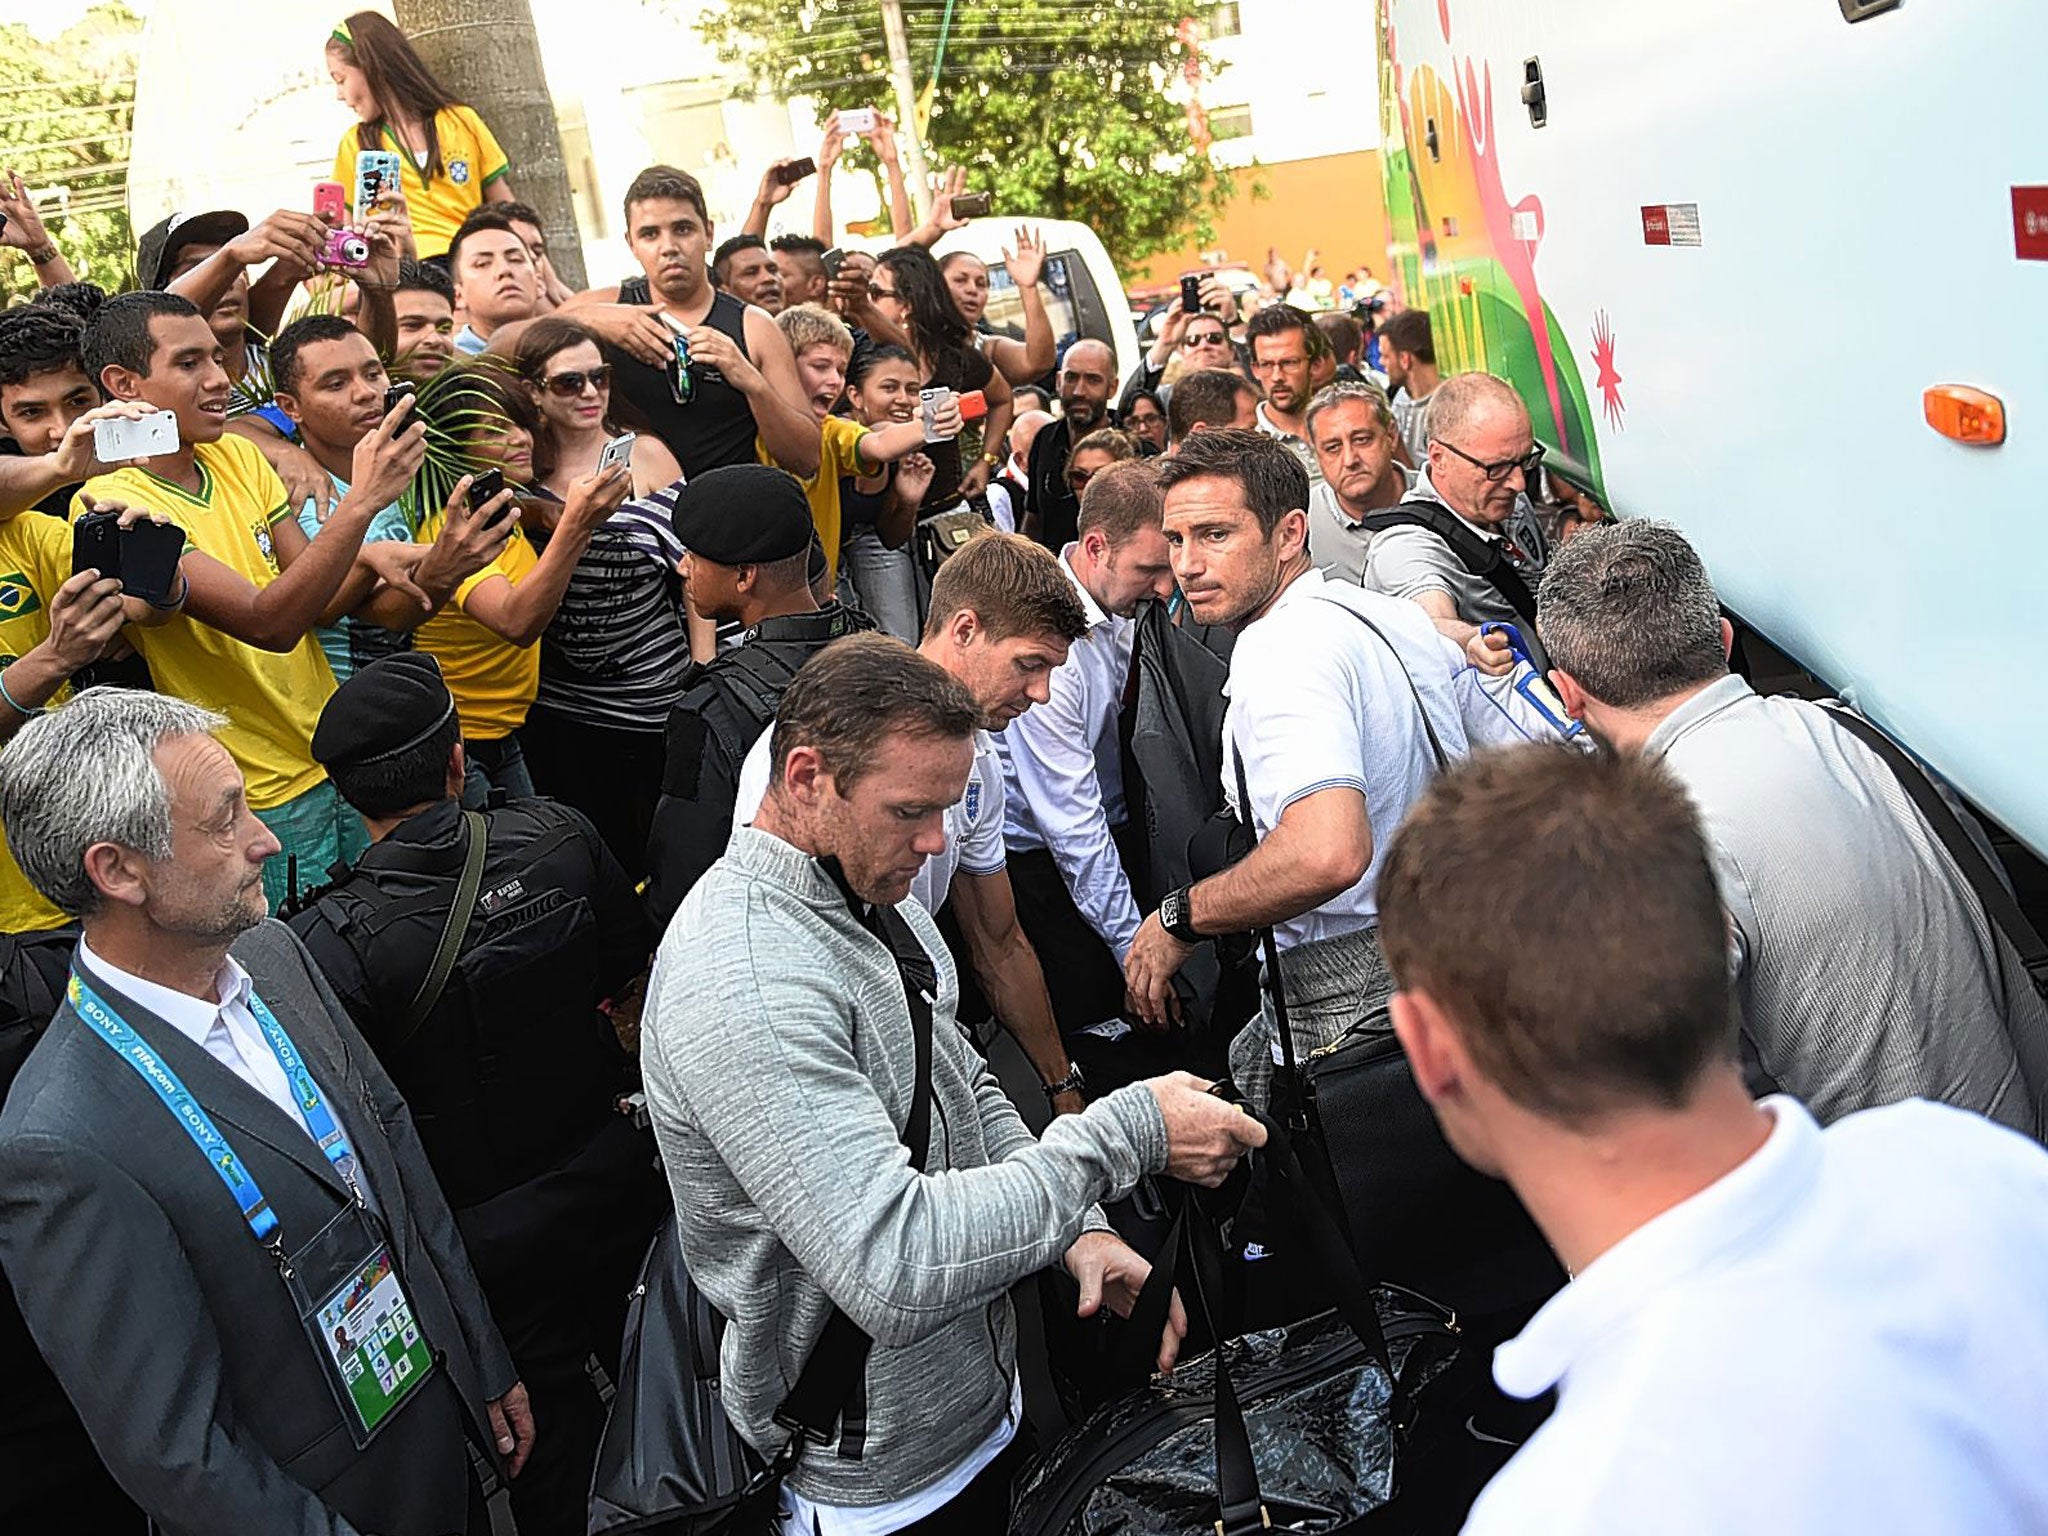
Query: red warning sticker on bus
{"points": [[2030, 223], [1671, 223]]}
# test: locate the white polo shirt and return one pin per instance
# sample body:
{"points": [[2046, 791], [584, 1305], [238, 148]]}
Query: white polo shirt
{"points": [[1318, 702], [1846, 1333], [974, 823]]}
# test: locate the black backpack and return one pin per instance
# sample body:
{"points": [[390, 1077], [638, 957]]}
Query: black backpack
{"points": [[1484, 559]]}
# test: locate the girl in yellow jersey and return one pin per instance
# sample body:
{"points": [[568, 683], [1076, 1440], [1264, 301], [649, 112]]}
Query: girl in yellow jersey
{"points": [[449, 163]]}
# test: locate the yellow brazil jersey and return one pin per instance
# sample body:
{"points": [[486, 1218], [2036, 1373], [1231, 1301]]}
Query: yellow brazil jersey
{"points": [[272, 700], [35, 560], [838, 458], [470, 161], [493, 680]]}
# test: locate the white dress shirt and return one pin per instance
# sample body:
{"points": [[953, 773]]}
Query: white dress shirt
{"points": [[1064, 773], [1846, 1333], [227, 1031]]}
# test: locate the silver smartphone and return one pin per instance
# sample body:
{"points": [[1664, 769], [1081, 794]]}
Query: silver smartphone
{"points": [[618, 451], [145, 437]]}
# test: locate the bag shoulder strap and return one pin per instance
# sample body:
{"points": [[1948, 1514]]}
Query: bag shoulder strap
{"points": [[456, 929], [1270, 945], [1484, 560], [1998, 902], [839, 1358]]}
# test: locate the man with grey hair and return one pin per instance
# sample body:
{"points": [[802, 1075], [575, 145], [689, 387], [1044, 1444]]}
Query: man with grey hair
{"points": [[1464, 543], [305, 1349], [1351, 428], [1868, 970]]}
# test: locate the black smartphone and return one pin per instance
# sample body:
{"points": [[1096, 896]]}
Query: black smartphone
{"points": [[400, 393], [96, 543], [150, 552], [483, 488], [789, 175], [833, 260], [972, 205], [1191, 293]]}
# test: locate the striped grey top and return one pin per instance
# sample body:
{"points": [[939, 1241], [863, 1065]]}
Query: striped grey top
{"points": [[1868, 970], [615, 653]]}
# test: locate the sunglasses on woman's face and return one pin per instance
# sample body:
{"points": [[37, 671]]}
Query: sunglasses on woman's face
{"points": [[570, 385]]}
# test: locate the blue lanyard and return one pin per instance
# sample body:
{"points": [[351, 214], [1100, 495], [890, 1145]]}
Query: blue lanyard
{"points": [[153, 1070]]}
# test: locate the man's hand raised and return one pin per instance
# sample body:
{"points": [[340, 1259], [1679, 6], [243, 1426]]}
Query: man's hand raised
{"points": [[383, 464], [288, 236], [1205, 1136]]}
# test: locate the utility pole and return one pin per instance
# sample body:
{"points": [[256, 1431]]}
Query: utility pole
{"points": [[487, 53], [915, 171]]}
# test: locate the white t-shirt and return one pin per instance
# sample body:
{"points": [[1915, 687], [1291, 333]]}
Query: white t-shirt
{"points": [[800, 1517], [1844, 1333], [974, 823]]}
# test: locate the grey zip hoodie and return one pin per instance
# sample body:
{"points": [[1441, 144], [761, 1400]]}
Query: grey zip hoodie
{"points": [[779, 1062]]}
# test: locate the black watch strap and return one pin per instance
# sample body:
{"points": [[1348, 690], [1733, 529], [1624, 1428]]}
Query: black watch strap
{"points": [[1177, 915], [1073, 1082]]}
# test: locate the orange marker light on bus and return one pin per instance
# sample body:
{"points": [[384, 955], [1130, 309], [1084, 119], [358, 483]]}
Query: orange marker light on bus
{"points": [[1964, 414]]}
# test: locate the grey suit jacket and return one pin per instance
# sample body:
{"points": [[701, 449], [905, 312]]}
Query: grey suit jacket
{"points": [[168, 1323]]}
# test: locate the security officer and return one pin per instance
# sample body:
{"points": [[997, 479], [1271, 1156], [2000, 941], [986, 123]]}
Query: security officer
{"points": [[746, 532], [481, 954]]}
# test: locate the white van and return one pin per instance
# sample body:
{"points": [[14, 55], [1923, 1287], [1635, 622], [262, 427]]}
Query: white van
{"points": [[1083, 294]]}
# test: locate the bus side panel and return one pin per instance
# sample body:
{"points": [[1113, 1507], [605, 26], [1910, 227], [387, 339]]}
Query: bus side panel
{"points": [[1762, 388]]}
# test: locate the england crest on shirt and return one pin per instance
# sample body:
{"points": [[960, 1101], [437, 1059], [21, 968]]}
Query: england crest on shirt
{"points": [[973, 800], [458, 172]]}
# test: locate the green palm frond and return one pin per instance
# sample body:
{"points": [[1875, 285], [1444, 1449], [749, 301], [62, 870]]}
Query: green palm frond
{"points": [[455, 403]]}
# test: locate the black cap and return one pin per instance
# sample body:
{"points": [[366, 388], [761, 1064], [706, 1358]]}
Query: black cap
{"points": [[387, 707], [743, 514], [158, 252]]}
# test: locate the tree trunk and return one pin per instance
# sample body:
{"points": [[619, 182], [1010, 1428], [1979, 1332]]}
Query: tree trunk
{"points": [[485, 51]]}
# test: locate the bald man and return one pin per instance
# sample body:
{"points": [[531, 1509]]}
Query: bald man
{"points": [[1087, 382], [1464, 543]]}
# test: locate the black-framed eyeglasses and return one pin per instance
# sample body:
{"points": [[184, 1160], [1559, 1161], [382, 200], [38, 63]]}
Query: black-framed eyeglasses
{"points": [[1206, 339], [571, 384], [1528, 463]]}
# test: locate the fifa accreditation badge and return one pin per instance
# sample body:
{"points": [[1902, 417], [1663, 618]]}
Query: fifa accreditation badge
{"points": [[17, 597]]}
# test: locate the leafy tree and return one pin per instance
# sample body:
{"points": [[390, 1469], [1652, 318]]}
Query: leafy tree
{"points": [[64, 124], [1057, 107]]}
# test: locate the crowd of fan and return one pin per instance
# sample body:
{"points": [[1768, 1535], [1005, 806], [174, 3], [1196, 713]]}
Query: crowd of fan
{"points": [[520, 637]]}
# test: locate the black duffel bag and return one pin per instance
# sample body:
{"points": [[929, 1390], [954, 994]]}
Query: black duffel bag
{"points": [[1301, 1428]]}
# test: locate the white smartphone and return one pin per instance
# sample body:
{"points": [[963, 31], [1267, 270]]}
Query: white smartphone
{"points": [[147, 437], [856, 120], [618, 451]]}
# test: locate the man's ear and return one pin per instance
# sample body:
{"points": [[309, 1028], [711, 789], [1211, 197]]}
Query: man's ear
{"points": [[802, 774], [289, 404], [1727, 638], [120, 383], [1569, 693], [1435, 1053], [118, 873], [963, 627]]}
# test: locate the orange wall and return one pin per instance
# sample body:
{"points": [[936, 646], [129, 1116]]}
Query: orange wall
{"points": [[1332, 202]]}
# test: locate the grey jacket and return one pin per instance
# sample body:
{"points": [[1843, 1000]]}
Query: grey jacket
{"points": [[167, 1321], [779, 1061]]}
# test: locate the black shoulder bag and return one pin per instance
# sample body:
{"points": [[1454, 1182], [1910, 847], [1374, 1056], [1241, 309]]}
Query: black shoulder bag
{"points": [[670, 1461]]}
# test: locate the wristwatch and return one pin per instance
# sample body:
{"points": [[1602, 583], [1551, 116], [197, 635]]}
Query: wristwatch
{"points": [[1177, 915], [45, 256], [1073, 1082], [992, 460]]}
